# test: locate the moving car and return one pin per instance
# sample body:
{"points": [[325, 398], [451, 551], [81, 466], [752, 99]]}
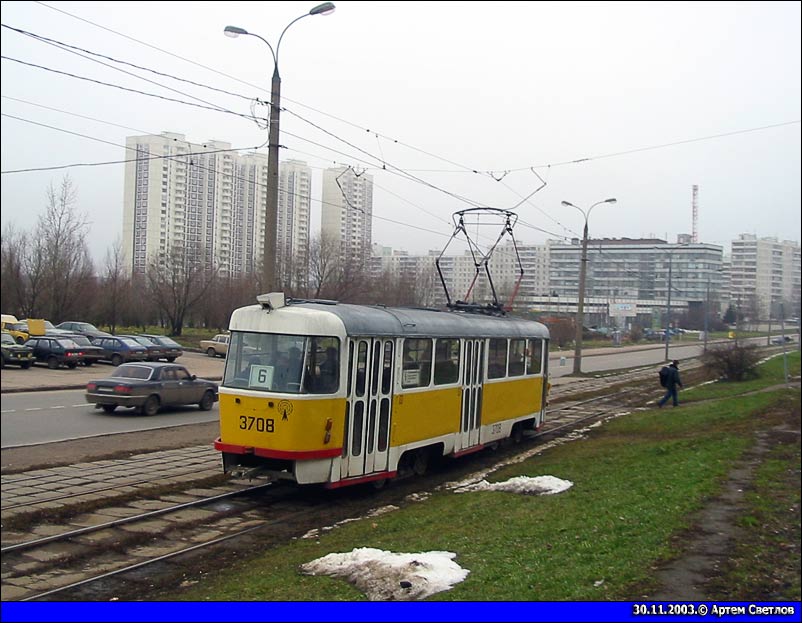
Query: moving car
{"points": [[149, 386], [217, 346], [172, 348], [780, 339], [15, 354]]}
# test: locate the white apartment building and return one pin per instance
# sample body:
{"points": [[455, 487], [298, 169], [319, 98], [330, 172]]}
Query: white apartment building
{"points": [[208, 202], [347, 212], [292, 229], [764, 274], [460, 273]]}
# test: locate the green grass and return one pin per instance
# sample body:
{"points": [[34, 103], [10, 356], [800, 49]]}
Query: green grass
{"points": [[637, 482], [189, 338], [770, 373]]}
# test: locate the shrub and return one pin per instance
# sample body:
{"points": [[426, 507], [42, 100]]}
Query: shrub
{"points": [[732, 362]]}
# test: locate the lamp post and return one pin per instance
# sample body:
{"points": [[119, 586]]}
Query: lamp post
{"points": [[707, 312], [668, 302], [271, 209], [580, 304]]}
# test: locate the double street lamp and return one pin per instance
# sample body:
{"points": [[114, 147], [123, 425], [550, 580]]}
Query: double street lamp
{"points": [[580, 306], [271, 209]]}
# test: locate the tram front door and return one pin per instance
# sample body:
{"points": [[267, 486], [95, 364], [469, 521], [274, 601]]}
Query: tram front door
{"points": [[370, 399]]}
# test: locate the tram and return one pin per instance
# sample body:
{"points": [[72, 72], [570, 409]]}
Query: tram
{"points": [[319, 392]]}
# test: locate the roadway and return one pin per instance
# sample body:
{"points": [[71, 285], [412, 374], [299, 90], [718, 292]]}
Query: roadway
{"points": [[30, 415]]}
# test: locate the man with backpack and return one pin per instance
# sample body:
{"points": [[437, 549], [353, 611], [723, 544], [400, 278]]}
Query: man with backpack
{"points": [[669, 378]]}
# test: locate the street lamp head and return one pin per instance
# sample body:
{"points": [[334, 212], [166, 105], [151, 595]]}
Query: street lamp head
{"points": [[612, 200], [323, 9], [568, 203], [234, 31]]}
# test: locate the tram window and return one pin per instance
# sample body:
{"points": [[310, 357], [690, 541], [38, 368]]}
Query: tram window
{"points": [[322, 365], [376, 365], [384, 421], [356, 433], [417, 363], [350, 366], [534, 356], [497, 359], [516, 359], [387, 371], [361, 368], [446, 362]]}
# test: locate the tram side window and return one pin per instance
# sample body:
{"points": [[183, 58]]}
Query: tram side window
{"points": [[516, 360], [446, 362], [322, 365], [497, 359], [417, 368], [534, 355]]}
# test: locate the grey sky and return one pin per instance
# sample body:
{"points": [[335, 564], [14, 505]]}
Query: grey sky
{"points": [[493, 87]]}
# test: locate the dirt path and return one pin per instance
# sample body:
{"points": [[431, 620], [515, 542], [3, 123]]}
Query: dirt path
{"points": [[707, 548]]}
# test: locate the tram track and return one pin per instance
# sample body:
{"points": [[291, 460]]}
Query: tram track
{"points": [[94, 559]]}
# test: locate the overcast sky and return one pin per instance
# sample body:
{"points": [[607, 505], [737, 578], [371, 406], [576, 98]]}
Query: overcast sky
{"points": [[448, 105]]}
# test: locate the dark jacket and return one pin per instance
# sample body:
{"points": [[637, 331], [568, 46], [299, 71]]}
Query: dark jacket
{"points": [[673, 377]]}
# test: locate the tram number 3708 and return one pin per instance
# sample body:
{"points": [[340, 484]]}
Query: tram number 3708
{"points": [[259, 424]]}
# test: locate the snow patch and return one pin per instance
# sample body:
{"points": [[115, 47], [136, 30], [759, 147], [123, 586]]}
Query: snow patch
{"points": [[539, 485], [386, 576]]}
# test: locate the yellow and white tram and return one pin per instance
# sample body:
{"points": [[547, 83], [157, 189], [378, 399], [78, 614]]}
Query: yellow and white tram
{"points": [[322, 392]]}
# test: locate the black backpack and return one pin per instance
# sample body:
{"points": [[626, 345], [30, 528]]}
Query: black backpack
{"points": [[664, 374]]}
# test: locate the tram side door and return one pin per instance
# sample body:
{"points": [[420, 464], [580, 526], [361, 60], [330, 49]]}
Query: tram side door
{"points": [[367, 434], [472, 375]]}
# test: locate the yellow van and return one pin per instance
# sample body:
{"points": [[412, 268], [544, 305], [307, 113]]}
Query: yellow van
{"points": [[36, 326]]}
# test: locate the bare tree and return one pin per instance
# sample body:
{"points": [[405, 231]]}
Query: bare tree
{"points": [[12, 275], [116, 286], [323, 254], [177, 281], [60, 238]]}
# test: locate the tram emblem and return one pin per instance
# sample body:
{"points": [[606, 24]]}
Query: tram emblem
{"points": [[285, 408]]}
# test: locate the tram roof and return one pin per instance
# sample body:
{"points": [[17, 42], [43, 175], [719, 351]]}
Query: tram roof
{"points": [[411, 322]]}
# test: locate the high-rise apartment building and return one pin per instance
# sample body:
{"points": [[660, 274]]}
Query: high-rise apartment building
{"points": [[347, 213], [638, 269], [292, 229], [765, 273], [208, 202]]}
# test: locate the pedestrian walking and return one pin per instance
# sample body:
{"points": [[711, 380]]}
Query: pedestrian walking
{"points": [[669, 378]]}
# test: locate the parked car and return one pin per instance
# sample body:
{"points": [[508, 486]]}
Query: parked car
{"points": [[119, 350], [17, 330], [37, 326], [217, 346], [155, 351], [172, 349], [92, 353], [150, 386], [55, 351], [15, 354], [84, 328]]}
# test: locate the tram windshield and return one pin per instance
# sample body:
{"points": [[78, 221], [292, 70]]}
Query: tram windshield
{"points": [[287, 364]]}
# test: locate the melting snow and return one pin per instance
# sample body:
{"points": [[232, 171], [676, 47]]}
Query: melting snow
{"points": [[385, 576], [539, 485]]}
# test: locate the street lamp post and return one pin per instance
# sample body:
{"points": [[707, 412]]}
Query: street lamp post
{"points": [[707, 311], [580, 304], [270, 281], [668, 302]]}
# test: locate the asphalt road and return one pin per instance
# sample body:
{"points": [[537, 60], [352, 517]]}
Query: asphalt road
{"points": [[36, 416]]}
